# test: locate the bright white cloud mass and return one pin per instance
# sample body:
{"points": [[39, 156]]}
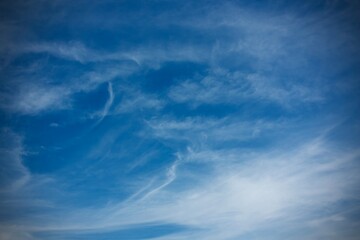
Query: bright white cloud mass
{"points": [[209, 120]]}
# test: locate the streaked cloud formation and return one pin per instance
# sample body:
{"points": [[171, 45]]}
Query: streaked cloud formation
{"points": [[179, 120]]}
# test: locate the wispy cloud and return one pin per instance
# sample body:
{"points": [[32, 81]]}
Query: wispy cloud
{"points": [[35, 98], [235, 88], [198, 130], [229, 142], [143, 56], [72, 51], [108, 104], [236, 199], [39, 96], [135, 100], [14, 174]]}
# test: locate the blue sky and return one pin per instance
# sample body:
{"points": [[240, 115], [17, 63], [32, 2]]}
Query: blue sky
{"points": [[179, 120]]}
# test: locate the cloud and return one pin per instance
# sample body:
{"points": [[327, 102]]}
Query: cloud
{"points": [[14, 174], [170, 177], [73, 51], [142, 56], [35, 99], [135, 100], [250, 194], [108, 104], [205, 130], [235, 88], [263, 173], [39, 95], [250, 56]]}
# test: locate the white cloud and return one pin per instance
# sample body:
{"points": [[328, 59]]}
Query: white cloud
{"points": [[202, 131], [37, 97], [235, 88], [231, 192], [289, 188], [140, 102], [34, 99], [137, 101], [260, 38], [142, 56], [72, 51], [108, 104], [14, 175]]}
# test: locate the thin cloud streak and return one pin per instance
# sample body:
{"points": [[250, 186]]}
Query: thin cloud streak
{"points": [[266, 189], [215, 118], [108, 104]]}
